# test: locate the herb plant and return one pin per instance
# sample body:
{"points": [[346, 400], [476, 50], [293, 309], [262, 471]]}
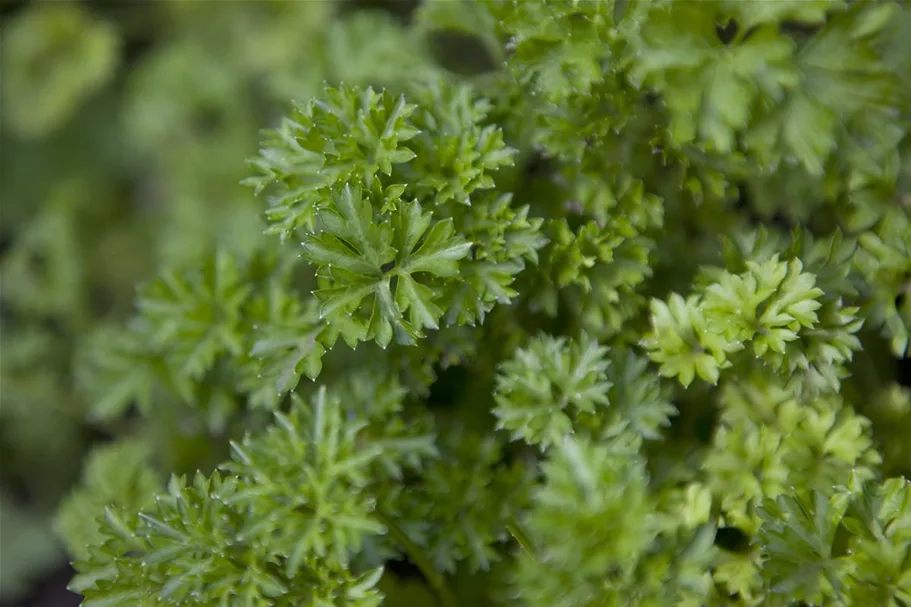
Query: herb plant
{"points": [[581, 302]]}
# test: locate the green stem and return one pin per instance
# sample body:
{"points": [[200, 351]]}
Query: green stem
{"points": [[417, 556], [518, 532]]}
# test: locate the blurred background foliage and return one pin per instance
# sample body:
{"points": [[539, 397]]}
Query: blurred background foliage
{"points": [[126, 126]]}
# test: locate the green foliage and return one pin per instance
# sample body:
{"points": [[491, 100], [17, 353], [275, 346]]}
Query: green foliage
{"points": [[63, 54], [555, 388], [279, 526], [28, 547], [358, 258], [767, 313], [542, 390], [116, 474], [598, 302], [886, 261], [806, 561]]}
